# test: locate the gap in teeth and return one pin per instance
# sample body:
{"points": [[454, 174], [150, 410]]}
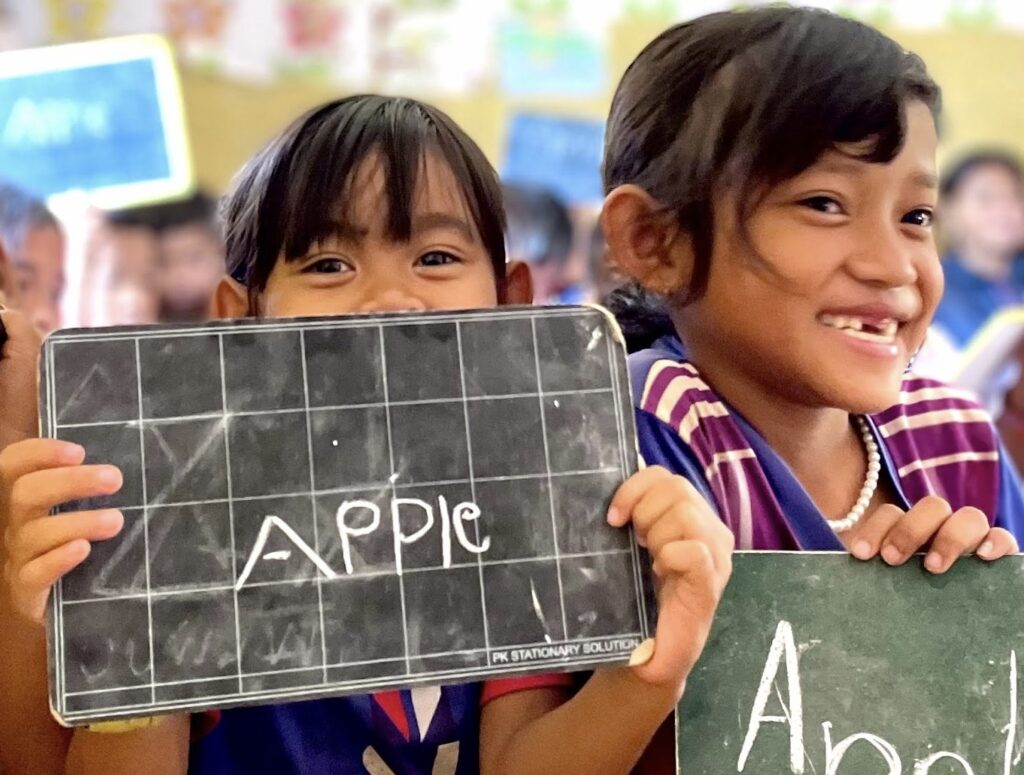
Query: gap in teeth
{"points": [[886, 329]]}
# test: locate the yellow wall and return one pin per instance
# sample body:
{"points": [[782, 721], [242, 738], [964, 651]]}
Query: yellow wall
{"points": [[981, 72]]}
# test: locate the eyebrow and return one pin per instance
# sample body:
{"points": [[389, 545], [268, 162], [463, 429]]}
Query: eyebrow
{"points": [[840, 166], [433, 221], [925, 179]]}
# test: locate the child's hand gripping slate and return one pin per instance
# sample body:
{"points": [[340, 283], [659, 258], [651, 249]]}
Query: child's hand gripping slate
{"points": [[36, 475], [692, 554], [897, 535]]}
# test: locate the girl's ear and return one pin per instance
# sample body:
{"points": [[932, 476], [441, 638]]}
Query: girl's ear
{"points": [[646, 242], [517, 288], [230, 300]]}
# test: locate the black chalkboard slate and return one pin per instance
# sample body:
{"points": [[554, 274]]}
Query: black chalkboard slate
{"points": [[337, 505], [898, 671]]}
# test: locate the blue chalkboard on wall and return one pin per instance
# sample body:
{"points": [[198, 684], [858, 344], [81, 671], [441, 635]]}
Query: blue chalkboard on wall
{"points": [[104, 117], [562, 154]]}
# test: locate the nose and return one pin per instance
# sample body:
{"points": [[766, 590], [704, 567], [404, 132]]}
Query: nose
{"points": [[886, 258], [392, 300]]}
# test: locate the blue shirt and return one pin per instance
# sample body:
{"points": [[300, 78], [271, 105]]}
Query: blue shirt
{"points": [[385, 733], [661, 443], [969, 300]]}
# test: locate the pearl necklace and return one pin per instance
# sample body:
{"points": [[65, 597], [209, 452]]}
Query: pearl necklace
{"points": [[870, 481]]}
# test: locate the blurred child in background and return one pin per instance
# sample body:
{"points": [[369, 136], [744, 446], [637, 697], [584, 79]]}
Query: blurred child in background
{"points": [[982, 212], [31, 258], [190, 260], [540, 233], [119, 286]]}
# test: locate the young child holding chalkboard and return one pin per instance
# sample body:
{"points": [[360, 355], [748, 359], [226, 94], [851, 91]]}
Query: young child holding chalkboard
{"points": [[372, 204], [771, 176]]}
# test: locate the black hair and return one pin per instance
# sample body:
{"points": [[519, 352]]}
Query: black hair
{"points": [[642, 315], [965, 165], [197, 209], [539, 227], [297, 189], [741, 101], [21, 212]]}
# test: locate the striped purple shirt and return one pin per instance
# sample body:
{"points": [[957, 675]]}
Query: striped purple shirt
{"points": [[936, 441]]}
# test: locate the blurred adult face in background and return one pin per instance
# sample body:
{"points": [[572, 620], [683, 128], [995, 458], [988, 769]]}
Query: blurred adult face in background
{"points": [[120, 287], [32, 275], [984, 213], [190, 264]]}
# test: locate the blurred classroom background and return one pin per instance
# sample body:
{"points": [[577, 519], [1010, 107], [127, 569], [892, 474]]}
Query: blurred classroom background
{"points": [[530, 80]]}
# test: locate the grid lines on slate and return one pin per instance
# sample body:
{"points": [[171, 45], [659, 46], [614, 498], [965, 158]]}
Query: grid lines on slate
{"points": [[276, 392]]}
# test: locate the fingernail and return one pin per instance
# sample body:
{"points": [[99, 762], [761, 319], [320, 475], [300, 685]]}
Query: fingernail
{"points": [[862, 550], [933, 562], [986, 549], [71, 452], [80, 548], [642, 654], [109, 477], [892, 555], [113, 518], [614, 516]]}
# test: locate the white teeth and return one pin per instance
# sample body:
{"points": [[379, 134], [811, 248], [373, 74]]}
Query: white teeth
{"points": [[842, 321], [884, 331], [865, 336]]}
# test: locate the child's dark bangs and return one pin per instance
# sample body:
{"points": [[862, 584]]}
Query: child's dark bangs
{"points": [[398, 137], [335, 158], [834, 86], [479, 189]]}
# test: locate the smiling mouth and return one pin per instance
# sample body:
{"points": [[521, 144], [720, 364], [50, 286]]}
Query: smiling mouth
{"points": [[881, 331]]}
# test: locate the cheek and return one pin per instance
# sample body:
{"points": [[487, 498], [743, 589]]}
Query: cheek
{"points": [[931, 283], [284, 302], [476, 290], [781, 258]]}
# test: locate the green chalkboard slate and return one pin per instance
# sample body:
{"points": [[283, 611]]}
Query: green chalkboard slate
{"points": [[896, 670]]}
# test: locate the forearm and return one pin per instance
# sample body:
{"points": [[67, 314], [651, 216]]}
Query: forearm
{"points": [[31, 741], [604, 728]]}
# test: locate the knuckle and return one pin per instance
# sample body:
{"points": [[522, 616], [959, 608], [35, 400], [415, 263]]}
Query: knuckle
{"points": [[721, 532], [17, 498], [14, 541], [702, 558], [24, 576], [680, 485], [973, 518], [904, 538], [934, 503], [1001, 535], [885, 514], [678, 514]]}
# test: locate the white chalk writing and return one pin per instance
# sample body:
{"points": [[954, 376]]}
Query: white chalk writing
{"points": [[784, 644], [350, 530]]}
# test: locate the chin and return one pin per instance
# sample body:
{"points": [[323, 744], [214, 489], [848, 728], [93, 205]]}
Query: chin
{"points": [[868, 396]]}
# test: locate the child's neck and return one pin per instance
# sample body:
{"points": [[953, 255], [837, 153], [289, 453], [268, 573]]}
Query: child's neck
{"points": [[803, 436]]}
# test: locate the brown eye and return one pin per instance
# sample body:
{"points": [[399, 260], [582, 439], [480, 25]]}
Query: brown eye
{"points": [[326, 266], [920, 217], [437, 258], [823, 204]]}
